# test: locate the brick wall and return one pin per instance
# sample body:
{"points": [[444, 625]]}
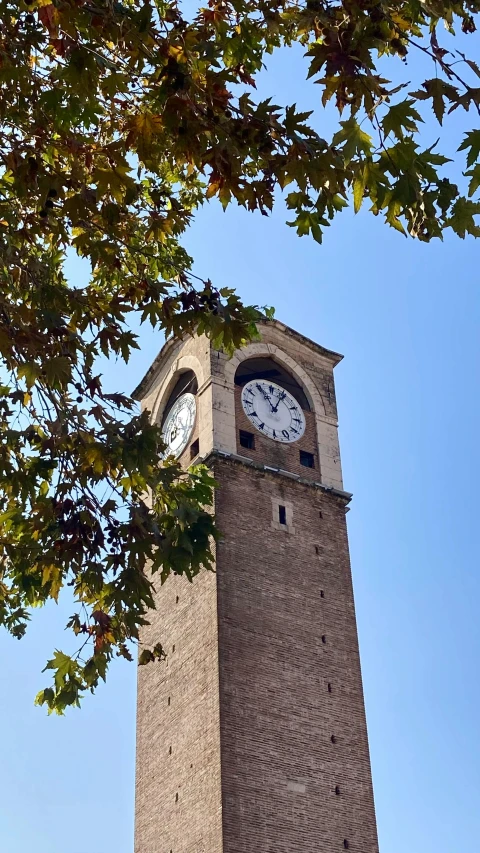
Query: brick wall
{"points": [[178, 799], [280, 767]]}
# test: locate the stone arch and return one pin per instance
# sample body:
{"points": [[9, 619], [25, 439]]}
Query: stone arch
{"points": [[272, 351], [178, 366]]}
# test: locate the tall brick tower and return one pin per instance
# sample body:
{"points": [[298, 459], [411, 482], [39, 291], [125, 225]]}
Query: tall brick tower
{"points": [[251, 737]]}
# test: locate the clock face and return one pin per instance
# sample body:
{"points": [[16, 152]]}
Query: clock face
{"points": [[273, 411], [178, 424]]}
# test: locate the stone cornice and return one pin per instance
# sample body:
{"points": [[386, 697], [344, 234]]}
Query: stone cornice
{"points": [[345, 497]]}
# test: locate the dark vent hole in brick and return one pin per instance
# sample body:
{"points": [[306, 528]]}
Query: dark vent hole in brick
{"points": [[168, 701], [194, 448], [317, 549], [333, 739], [322, 594], [345, 843], [247, 439], [337, 790], [282, 514], [324, 639], [320, 514], [307, 459], [329, 687]]}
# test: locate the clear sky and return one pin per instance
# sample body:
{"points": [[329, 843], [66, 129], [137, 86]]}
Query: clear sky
{"points": [[406, 316]]}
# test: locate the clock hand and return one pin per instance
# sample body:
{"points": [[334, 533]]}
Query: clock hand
{"points": [[266, 396], [281, 397]]}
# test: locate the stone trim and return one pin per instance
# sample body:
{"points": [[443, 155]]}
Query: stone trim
{"points": [[262, 348], [346, 497], [185, 362]]}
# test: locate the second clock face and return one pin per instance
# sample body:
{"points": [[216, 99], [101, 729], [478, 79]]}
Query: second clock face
{"points": [[273, 411], [178, 424]]}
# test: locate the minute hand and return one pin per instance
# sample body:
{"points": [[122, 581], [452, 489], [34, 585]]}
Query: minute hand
{"points": [[281, 397]]}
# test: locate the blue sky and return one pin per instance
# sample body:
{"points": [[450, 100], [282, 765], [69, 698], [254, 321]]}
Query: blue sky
{"points": [[406, 316]]}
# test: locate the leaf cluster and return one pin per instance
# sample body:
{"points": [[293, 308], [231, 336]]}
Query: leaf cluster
{"points": [[117, 120]]}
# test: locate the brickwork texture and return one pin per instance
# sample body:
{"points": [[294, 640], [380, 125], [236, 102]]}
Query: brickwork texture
{"points": [[294, 751]]}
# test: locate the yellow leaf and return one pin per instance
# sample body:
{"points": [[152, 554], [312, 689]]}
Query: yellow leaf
{"points": [[177, 52], [95, 458], [212, 189], [51, 575], [401, 23], [147, 125]]}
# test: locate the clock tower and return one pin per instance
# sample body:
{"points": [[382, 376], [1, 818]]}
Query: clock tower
{"points": [[251, 736]]}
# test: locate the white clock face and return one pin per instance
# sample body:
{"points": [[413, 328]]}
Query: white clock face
{"points": [[273, 411], [178, 424]]}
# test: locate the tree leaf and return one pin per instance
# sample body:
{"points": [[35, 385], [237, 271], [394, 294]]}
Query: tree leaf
{"points": [[472, 142], [462, 220], [401, 117]]}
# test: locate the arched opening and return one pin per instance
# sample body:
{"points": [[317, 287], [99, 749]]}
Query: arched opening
{"points": [[186, 384], [267, 368]]}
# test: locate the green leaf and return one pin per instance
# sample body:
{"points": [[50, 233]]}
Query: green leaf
{"points": [[359, 187], [472, 142], [439, 91], [353, 139], [462, 218], [474, 184], [393, 211], [401, 118], [30, 372]]}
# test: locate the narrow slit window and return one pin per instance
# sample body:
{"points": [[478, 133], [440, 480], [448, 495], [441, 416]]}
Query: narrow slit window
{"points": [[282, 514], [194, 448], [307, 459], [247, 439]]}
